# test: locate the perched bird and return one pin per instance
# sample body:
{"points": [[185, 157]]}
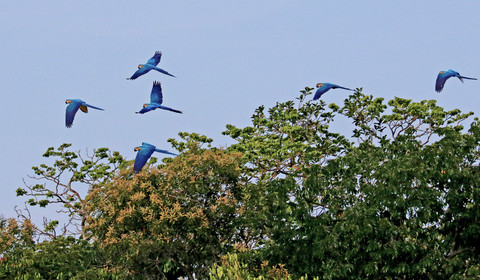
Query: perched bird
{"points": [[443, 77], [324, 87], [156, 100], [72, 108], [151, 64], [144, 152]]}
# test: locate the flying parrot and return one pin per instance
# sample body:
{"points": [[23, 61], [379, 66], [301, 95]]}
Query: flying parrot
{"points": [[151, 64], [443, 76], [72, 108], [324, 87], [156, 100], [144, 152]]}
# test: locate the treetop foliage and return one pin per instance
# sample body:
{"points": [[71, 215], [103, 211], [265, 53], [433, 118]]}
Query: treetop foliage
{"points": [[395, 195]]}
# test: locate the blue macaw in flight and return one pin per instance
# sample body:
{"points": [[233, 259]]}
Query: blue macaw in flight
{"points": [[144, 152], [443, 76], [72, 108], [324, 87], [156, 100], [151, 64]]}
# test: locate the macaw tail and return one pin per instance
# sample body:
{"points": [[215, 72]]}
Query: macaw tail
{"points": [[170, 109], [165, 152], [164, 72], [95, 107], [346, 88], [462, 77]]}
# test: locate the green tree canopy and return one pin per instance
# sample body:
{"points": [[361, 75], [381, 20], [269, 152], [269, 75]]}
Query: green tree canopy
{"points": [[393, 195]]}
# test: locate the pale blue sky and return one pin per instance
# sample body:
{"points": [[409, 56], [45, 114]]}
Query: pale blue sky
{"points": [[229, 57]]}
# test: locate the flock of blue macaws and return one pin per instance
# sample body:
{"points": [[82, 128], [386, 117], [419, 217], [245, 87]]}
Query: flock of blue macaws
{"points": [[145, 151]]}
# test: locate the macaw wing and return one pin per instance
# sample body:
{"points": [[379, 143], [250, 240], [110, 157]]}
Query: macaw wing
{"points": [[441, 79], [139, 73], [142, 157], [320, 91], [156, 95], [84, 108], [155, 58], [72, 109]]}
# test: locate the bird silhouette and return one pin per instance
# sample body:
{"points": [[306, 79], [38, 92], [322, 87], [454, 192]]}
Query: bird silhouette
{"points": [[324, 87], [72, 108], [443, 76], [151, 64], [156, 99], [144, 152]]}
